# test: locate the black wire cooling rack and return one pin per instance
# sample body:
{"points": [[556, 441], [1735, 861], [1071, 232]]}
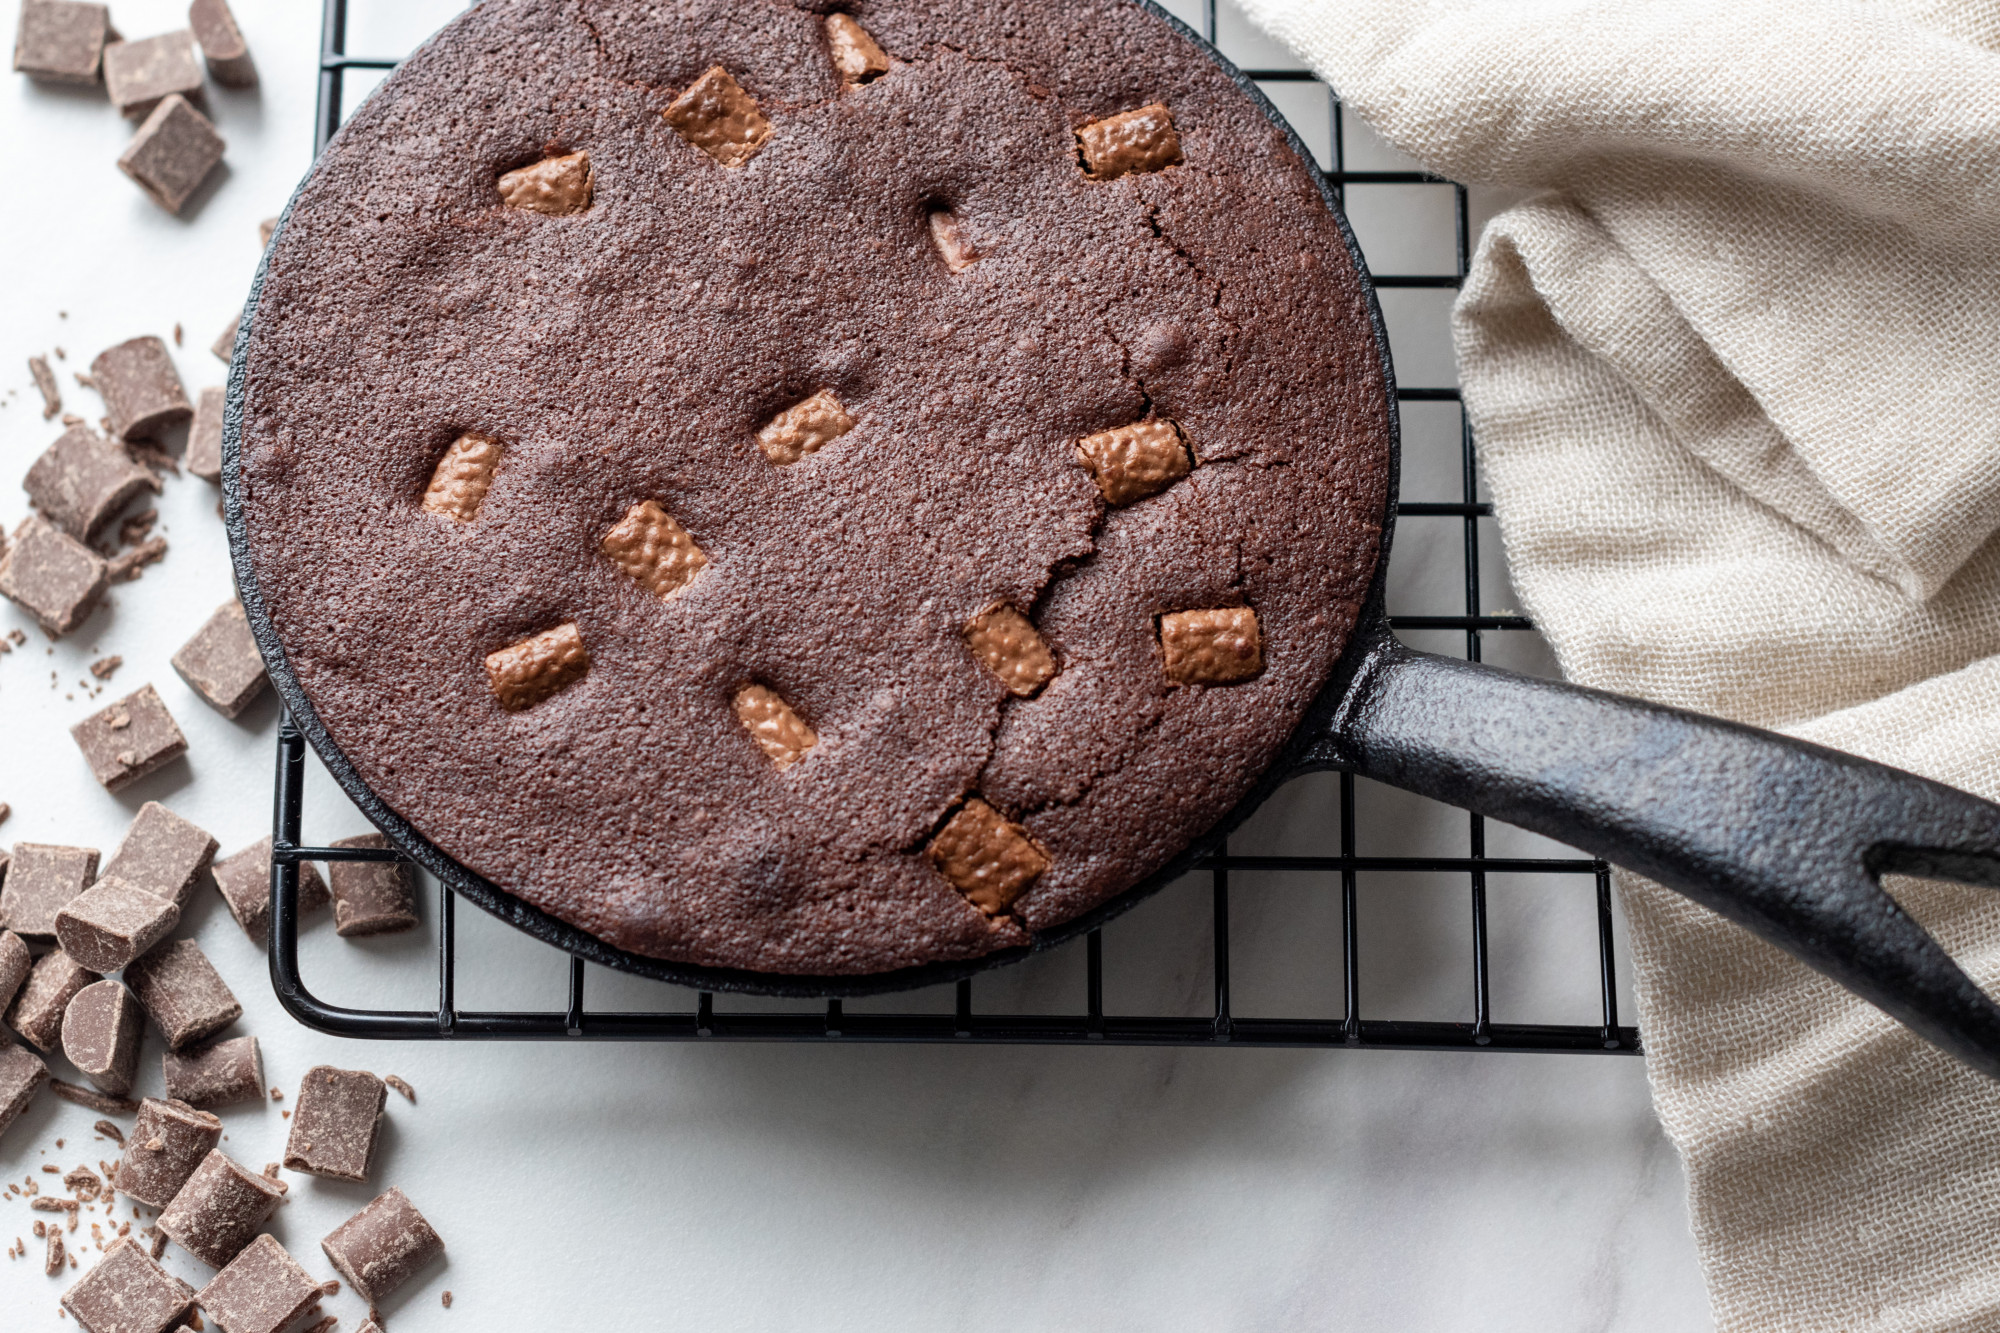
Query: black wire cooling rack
{"points": [[829, 1020]]}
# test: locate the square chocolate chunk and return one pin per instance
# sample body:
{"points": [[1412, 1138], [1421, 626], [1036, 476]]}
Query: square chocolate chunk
{"points": [[172, 153], [15, 963], [988, 859], [805, 428], [557, 186], [383, 1246], [245, 881], [335, 1123], [221, 662], [215, 1074], [463, 476], [52, 576], [371, 897], [1141, 140], [219, 1210], [112, 922], [183, 992], [654, 550], [167, 1142], [781, 733], [1010, 646], [129, 740], [717, 116], [163, 854], [523, 674], [127, 1293], [139, 74], [22, 1075], [204, 447], [1216, 647], [141, 389], [1135, 461], [83, 479], [222, 44], [856, 56], [100, 1035], [41, 880], [37, 1012], [262, 1290], [60, 42]]}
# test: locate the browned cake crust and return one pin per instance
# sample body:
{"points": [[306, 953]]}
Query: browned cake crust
{"points": [[727, 271]]}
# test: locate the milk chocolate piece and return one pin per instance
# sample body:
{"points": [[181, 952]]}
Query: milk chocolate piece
{"points": [[183, 992], [141, 389], [986, 858], [45, 384], [37, 1011], [125, 566], [41, 879], [556, 186], [717, 116], [100, 1035], [139, 75], [654, 550], [163, 854], [22, 1074], [97, 1101], [52, 576], [335, 1123], [1133, 462], [463, 476], [111, 923], [1215, 647], [130, 739], [222, 44], [1011, 648], [383, 1246], [60, 42], [172, 153], [1141, 140], [952, 241], [14, 964], [525, 673], [221, 662], [219, 1209], [245, 882], [110, 1131], [856, 57], [166, 1144], [83, 479], [409, 1093], [224, 345], [804, 428], [127, 1293], [53, 1262], [204, 446], [215, 1074], [781, 733], [265, 231], [262, 1290], [371, 897]]}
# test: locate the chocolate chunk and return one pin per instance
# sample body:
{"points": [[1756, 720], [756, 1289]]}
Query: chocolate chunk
{"points": [[525, 673], [125, 566], [60, 42], [1141, 140], [183, 992], [654, 550], [172, 153], [952, 240], [139, 75], [204, 446], [83, 479], [219, 1209], [166, 1144], [97, 1101], [555, 185], [37, 1011], [127, 1293], [463, 476], [1012, 649], [216, 1074], [15, 961], [111, 923], [780, 732], [383, 1246], [100, 1035], [1135, 461], [717, 116], [130, 739], [222, 44], [163, 854], [141, 389], [22, 1074], [45, 382], [1217, 647], [224, 345], [52, 576], [221, 662], [986, 858], [245, 882], [804, 428], [335, 1124], [41, 879], [856, 57], [104, 666], [371, 897], [53, 1262], [262, 1290]]}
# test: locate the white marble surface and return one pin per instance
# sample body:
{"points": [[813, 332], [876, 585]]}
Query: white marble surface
{"points": [[785, 1187]]}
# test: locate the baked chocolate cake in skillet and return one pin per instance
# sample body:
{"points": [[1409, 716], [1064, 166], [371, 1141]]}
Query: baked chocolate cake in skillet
{"points": [[811, 492]]}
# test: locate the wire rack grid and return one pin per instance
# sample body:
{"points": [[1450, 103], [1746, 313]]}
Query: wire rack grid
{"points": [[830, 1020]]}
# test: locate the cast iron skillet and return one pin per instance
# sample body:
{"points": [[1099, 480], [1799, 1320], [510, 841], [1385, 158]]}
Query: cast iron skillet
{"points": [[1783, 837]]}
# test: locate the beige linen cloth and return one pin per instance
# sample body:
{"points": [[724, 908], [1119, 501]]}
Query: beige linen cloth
{"points": [[1736, 379]]}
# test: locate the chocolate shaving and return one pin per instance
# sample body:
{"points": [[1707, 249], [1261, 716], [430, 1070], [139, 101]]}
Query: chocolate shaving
{"points": [[95, 1100], [53, 1264], [402, 1087], [45, 380], [125, 566]]}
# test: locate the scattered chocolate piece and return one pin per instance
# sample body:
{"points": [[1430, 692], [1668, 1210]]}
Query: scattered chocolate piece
{"points": [[110, 1131], [325, 1325], [141, 389], [216, 1074], [330, 1287], [463, 476], [804, 428], [45, 379], [100, 1035], [781, 733], [856, 57], [111, 923], [383, 1246], [130, 739], [221, 662], [1135, 461], [54, 1262], [222, 44], [139, 75], [371, 897], [127, 1293], [409, 1093], [50, 1203], [1131, 141], [60, 42], [83, 1182], [15, 961], [523, 674], [172, 153], [183, 992], [245, 882], [556, 186], [52, 576], [101, 1102], [1215, 647], [369, 1325], [37, 1012], [219, 1209], [204, 446], [125, 566], [22, 1075], [82, 480], [447, 1300], [41, 879], [952, 241], [1011, 648], [986, 858], [334, 1130], [163, 854], [104, 666], [717, 116], [654, 550], [265, 230], [167, 1143], [262, 1290], [224, 345], [5, 809]]}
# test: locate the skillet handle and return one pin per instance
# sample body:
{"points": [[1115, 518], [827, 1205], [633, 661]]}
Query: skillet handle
{"points": [[1781, 836]]}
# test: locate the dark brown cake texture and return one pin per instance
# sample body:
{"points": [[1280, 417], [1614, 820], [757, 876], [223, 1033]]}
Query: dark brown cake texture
{"points": [[812, 493]]}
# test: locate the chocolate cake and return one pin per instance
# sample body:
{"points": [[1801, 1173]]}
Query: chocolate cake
{"points": [[806, 491]]}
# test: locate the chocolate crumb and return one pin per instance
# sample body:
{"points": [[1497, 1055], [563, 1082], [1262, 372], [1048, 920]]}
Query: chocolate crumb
{"points": [[408, 1092], [93, 1099], [45, 380], [447, 1300], [177, 333], [104, 666], [125, 567], [53, 1264], [325, 1325], [276, 1095], [110, 1131], [330, 1287]]}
